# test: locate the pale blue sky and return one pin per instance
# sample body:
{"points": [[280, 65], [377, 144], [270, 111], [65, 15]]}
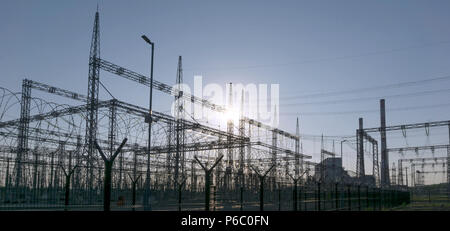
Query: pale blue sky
{"points": [[305, 46]]}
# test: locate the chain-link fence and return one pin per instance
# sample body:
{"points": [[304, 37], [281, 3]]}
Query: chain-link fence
{"points": [[52, 187]]}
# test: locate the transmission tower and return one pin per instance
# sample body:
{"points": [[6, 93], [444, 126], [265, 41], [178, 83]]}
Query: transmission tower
{"points": [[179, 110], [92, 104], [22, 145], [394, 174], [241, 178], [228, 170]]}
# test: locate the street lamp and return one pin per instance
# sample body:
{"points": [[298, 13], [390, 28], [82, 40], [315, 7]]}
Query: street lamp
{"points": [[146, 201]]}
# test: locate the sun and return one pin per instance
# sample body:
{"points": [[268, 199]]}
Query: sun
{"points": [[231, 114]]}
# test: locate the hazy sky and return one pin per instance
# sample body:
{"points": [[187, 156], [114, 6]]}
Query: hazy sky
{"points": [[307, 47]]}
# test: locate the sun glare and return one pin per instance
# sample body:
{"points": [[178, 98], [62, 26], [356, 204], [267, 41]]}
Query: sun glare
{"points": [[231, 114]]}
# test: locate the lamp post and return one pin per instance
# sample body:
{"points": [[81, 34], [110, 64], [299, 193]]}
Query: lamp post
{"points": [[146, 201]]}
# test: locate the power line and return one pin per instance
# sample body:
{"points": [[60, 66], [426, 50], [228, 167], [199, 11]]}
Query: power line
{"points": [[365, 89], [106, 89], [365, 54], [368, 98], [357, 90], [316, 136], [364, 111]]}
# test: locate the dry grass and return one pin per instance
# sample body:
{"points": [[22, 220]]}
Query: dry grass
{"points": [[425, 206]]}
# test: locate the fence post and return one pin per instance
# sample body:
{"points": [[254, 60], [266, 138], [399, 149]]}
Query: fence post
{"points": [[349, 198], [306, 205], [367, 197], [398, 198], [133, 202], [261, 185], [408, 200], [384, 198], [207, 179], [107, 186], [318, 196], [394, 198], [374, 199], [68, 175], [279, 198], [379, 199], [207, 189], [429, 196], [180, 187], [300, 199], [215, 190], [242, 197], [108, 171], [294, 196], [261, 193], [134, 181], [359, 197], [67, 191], [390, 198], [336, 196]]}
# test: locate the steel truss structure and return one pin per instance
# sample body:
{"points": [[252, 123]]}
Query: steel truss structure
{"points": [[47, 150], [361, 136], [385, 151], [415, 163]]}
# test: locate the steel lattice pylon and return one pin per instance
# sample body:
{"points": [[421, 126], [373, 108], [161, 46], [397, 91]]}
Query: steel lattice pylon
{"points": [[92, 97], [47, 151]]}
